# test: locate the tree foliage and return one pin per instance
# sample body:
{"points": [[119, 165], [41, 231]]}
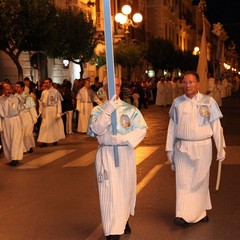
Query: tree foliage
{"points": [[72, 37], [24, 26], [186, 61], [129, 55], [161, 54]]}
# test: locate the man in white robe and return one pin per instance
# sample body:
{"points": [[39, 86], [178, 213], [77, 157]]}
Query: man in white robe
{"points": [[85, 98], [161, 98], [28, 116], [194, 121], [116, 185], [50, 109], [11, 126]]}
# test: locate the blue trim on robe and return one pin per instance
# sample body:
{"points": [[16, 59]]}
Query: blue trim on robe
{"points": [[202, 101], [125, 112]]}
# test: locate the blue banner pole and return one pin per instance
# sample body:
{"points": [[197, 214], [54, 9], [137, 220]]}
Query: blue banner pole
{"points": [[110, 68]]}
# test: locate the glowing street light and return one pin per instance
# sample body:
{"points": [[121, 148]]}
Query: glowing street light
{"points": [[196, 51], [123, 19]]}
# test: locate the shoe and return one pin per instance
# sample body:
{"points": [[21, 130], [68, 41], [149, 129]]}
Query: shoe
{"points": [[180, 222], [30, 150], [14, 163], [55, 143], [113, 237], [127, 229], [42, 145], [205, 219]]}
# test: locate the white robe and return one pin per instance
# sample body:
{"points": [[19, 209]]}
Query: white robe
{"points": [[28, 116], [51, 129], [117, 194], [161, 99], [11, 127], [192, 124], [85, 99]]}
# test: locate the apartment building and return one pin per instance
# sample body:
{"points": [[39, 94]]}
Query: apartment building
{"points": [[176, 20]]}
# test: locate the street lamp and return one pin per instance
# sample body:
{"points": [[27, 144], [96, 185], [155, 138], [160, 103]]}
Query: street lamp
{"points": [[196, 51], [123, 19]]}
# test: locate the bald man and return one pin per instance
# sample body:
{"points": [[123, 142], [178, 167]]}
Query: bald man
{"points": [[11, 126]]}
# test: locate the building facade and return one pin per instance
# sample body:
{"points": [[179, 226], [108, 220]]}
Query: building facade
{"points": [[176, 20]]}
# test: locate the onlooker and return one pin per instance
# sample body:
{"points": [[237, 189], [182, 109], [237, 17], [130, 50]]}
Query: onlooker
{"points": [[67, 107]]}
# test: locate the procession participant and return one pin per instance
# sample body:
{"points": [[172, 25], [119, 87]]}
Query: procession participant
{"points": [[161, 99], [27, 83], [116, 185], [50, 109], [194, 121], [11, 126], [85, 98], [28, 116]]}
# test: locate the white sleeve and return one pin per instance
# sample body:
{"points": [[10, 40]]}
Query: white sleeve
{"points": [[59, 107], [170, 136], [219, 139], [99, 126], [136, 136]]}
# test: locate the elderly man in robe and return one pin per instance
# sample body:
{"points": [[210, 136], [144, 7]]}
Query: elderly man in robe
{"points": [[11, 126], [116, 185], [50, 109], [194, 121]]}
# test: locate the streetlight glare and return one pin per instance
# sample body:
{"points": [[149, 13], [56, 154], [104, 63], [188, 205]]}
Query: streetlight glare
{"points": [[126, 9], [137, 17], [120, 18]]}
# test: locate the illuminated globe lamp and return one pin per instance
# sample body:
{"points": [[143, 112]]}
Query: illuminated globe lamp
{"points": [[196, 51], [123, 19]]}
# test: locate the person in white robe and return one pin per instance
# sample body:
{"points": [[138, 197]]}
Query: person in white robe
{"points": [[50, 109], [224, 88], [85, 98], [194, 122], [11, 126], [28, 116], [161, 98], [116, 184]]}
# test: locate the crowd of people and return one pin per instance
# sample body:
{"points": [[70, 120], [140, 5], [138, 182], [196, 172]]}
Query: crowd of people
{"points": [[49, 110]]}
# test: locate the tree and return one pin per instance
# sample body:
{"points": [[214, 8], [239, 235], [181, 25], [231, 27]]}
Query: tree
{"points": [[72, 37], [186, 61], [161, 53], [129, 55], [24, 26]]}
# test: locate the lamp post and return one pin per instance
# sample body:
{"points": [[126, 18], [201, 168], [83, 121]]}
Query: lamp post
{"points": [[126, 22]]}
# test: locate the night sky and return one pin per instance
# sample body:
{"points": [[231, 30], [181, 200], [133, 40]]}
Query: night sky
{"points": [[227, 12]]}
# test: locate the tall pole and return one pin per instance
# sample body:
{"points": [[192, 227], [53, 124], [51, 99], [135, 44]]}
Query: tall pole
{"points": [[110, 68]]}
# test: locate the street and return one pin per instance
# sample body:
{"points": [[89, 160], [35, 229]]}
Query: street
{"points": [[52, 194]]}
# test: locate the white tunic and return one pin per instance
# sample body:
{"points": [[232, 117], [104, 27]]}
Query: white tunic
{"points": [[11, 126], [50, 107], [85, 99], [117, 193], [28, 116], [192, 124], [161, 99]]}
